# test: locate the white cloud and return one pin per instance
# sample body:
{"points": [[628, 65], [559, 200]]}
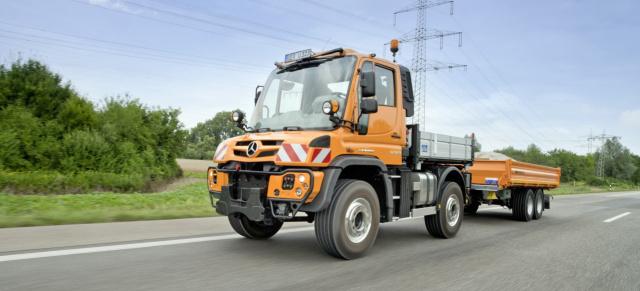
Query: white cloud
{"points": [[630, 118]]}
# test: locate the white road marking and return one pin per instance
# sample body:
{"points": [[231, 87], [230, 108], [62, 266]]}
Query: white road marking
{"points": [[634, 193], [89, 250], [616, 217]]}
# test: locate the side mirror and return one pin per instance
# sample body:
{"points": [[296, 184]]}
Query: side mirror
{"points": [[369, 105], [368, 84], [258, 92]]}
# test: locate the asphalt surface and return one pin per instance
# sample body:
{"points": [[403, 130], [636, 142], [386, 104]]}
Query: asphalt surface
{"points": [[570, 248]]}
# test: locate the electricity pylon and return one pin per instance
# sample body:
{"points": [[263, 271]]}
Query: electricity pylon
{"points": [[420, 63]]}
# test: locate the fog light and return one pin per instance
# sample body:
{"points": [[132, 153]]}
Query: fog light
{"points": [[276, 192], [299, 192], [301, 178]]}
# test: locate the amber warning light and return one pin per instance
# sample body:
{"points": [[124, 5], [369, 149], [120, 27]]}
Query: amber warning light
{"points": [[394, 48]]}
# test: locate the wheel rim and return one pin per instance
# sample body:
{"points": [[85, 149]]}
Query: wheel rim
{"points": [[452, 210], [358, 219], [529, 204], [539, 204]]}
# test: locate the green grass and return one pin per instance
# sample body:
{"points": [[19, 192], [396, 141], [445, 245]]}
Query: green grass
{"points": [[191, 200], [581, 188]]}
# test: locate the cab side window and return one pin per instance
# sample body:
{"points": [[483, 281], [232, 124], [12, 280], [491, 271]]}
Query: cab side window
{"points": [[385, 86]]}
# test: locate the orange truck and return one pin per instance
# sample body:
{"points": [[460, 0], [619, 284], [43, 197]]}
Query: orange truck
{"points": [[517, 185], [328, 143]]}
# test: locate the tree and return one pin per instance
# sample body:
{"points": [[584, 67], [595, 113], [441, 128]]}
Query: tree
{"points": [[518, 155], [478, 147], [617, 160], [205, 137]]}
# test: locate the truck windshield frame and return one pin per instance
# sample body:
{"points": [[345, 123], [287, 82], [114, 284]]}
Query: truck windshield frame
{"points": [[293, 97]]}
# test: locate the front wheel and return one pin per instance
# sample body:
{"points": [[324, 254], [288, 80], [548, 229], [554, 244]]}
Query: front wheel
{"points": [[252, 229], [348, 227], [447, 221]]}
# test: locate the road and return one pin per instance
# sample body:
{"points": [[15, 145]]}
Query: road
{"points": [[583, 242]]}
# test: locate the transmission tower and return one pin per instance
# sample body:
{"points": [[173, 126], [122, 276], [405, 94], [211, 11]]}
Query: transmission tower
{"points": [[603, 151], [420, 64]]}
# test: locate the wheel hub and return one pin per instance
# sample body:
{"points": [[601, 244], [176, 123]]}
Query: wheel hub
{"points": [[539, 204], [452, 210], [358, 220], [530, 205]]}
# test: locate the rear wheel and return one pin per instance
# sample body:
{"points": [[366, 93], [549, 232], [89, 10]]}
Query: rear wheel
{"points": [[522, 204], [252, 229], [538, 204], [447, 221], [348, 227]]}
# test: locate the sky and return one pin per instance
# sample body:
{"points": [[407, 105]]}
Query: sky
{"points": [[544, 72]]}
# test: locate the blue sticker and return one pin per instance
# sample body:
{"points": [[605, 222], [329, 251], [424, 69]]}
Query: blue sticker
{"points": [[425, 148], [491, 181]]}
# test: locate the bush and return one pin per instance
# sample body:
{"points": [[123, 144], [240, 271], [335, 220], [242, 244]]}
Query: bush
{"points": [[46, 127]]}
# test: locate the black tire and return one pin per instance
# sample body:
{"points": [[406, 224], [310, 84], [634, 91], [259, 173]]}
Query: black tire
{"points": [[448, 219], [354, 204], [522, 204], [471, 208], [252, 229], [538, 204]]}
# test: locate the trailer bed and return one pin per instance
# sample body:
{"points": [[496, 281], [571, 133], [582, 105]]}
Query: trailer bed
{"points": [[508, 173]]}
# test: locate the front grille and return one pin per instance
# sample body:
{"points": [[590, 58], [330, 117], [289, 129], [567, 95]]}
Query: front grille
{"points": [[240, 153], [267, 154], [264, 142]]}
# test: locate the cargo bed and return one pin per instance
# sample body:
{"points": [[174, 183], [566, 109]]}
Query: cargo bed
{"points": [[509, 173]]}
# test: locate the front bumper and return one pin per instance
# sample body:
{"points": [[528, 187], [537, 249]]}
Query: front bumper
{"points": [[252, 207], [254, 197]]}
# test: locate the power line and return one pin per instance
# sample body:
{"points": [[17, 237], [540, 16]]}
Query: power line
{"points": [[132, 46], [182, 25], [198, 9], [503, 79], [314, 17], [125, 55]]}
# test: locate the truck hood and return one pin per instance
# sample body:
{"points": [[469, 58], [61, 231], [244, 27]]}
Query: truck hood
{"points": [[308, 148]]}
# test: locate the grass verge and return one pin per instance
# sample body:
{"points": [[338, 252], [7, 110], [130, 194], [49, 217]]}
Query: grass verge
{"points": [[565, 189], [191, 200]]}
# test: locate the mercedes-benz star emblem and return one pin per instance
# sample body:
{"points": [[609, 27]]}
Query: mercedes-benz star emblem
{"points": [[252, 148]]}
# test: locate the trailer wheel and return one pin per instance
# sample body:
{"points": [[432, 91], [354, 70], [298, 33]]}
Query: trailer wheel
{"points": [[447, 221], [348, 227], [522, 203], [252, 229], [471, 208], [538, 204]]}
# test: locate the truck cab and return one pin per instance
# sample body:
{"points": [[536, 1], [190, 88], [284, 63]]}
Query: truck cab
{"points": [[328, 143]]}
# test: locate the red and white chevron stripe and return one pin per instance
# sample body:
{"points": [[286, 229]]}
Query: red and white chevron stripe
{"points": [[321, 156], [220, 152], [292, 153]]}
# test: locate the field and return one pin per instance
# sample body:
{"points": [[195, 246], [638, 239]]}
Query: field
{"points": [[194, 166], [184, 198]]}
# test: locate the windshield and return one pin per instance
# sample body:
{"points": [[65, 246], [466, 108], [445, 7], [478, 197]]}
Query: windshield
{"points": [[293, 97]]}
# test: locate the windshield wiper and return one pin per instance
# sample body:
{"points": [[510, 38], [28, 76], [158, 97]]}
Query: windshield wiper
{"points": [[292, 128]]}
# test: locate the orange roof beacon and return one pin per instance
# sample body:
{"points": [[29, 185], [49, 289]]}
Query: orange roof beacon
{"points": [[328, 143]]}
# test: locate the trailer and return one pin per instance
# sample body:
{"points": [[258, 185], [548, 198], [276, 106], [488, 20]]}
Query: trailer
{"points": [[517, 185]]}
